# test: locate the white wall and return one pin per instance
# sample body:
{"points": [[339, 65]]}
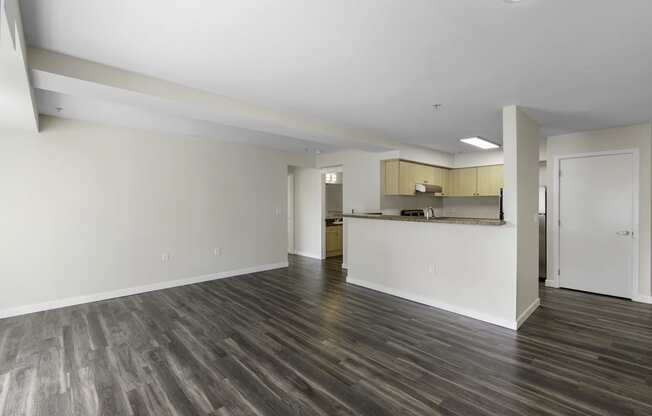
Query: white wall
{"points": [[362, 189], [467, 269], [427, 156], [89, 209], [483, 158], [491, 157], [308, 215], [543, 174], [631, 137]]}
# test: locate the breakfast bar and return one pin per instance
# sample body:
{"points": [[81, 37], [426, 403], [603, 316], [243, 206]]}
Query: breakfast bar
{"points": [[463, 265]]}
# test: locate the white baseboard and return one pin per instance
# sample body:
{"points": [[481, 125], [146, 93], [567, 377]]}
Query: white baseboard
{"points": [[636, 298], [306, 254], [506, 323], [642, 298], [95, 297], [552, 283], [527, 312]]}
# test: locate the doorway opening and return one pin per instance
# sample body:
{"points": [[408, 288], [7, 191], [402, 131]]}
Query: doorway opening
{"points": [[333, 221], [305, 212]]}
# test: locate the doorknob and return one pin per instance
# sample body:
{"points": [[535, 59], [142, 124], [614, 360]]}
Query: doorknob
{"points": [[623, 233]]}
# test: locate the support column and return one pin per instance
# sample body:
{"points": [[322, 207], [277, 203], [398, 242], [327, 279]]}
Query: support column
{"points": [[521, 193]]}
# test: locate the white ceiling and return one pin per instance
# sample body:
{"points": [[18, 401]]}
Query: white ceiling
{"points": [[379, 65]]}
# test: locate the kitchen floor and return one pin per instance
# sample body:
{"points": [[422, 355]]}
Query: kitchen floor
{"points": [[301, 341]]}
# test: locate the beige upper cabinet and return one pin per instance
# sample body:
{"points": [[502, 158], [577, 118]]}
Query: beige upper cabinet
{"points": [[406, 178], [490, 180], [401, 177], [441, 178], [391, 177], [423, 174], [464, 182]]}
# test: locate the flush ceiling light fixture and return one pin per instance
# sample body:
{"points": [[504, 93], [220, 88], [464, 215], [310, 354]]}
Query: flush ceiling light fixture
{"points": [[480, 142]]}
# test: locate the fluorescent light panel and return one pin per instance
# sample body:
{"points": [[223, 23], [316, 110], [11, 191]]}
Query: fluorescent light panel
{"points": [[480, 142]]}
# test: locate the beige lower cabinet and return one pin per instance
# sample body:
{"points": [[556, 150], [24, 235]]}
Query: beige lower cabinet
{"points": [[490, 180], [334, 240]]}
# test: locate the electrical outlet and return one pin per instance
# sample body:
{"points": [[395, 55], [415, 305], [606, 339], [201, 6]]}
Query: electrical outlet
{"points": [[431, 268], [277, 212], [217, 251], [165, 257]]}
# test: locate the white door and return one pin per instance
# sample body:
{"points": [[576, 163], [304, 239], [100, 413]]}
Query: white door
{"points": [[596, 242], [291, 214]]}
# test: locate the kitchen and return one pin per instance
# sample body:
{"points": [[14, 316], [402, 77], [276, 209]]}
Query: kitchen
{"points": [[460, 254], [415, 249], [419, 189]]}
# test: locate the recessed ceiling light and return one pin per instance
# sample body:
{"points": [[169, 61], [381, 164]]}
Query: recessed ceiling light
{"points": [[480, 142]]}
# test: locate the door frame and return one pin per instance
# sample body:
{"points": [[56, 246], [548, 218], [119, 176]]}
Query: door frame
{"points": [[290, 223], [556, 214]]}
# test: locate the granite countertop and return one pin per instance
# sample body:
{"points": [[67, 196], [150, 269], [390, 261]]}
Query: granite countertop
{"points": [[445, 220]]}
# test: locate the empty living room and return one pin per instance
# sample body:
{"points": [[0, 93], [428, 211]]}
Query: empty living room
{"points": [[326, 207]]}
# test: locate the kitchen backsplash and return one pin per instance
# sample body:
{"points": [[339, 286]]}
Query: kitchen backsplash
{"points": [[468, 207]]}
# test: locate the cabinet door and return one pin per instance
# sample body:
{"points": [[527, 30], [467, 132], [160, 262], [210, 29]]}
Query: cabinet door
{"points": [[340, 238], [391, 177], [406, 178], [490, 180], [444, 182], [464, 182], [424, 174], [331, 240]]}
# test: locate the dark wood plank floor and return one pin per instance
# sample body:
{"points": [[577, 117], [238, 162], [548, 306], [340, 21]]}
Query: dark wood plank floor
{"points": [[300, 341]]}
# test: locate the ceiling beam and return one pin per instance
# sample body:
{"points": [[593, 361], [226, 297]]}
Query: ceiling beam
{"points": [[17, 105], [68, 75]]}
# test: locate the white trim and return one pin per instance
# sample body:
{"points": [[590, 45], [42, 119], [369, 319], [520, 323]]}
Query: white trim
{"points": [[506, 323], [642, 298], [635, 212], [527, 312], [95, 297], [345, 266], [306, 254]]}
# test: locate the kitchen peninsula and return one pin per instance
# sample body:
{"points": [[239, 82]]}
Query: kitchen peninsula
{"points": [[448, 220], [463, 265]]}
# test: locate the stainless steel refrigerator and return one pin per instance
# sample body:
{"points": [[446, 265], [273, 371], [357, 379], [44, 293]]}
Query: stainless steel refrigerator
{"points": [[542, 232]]}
